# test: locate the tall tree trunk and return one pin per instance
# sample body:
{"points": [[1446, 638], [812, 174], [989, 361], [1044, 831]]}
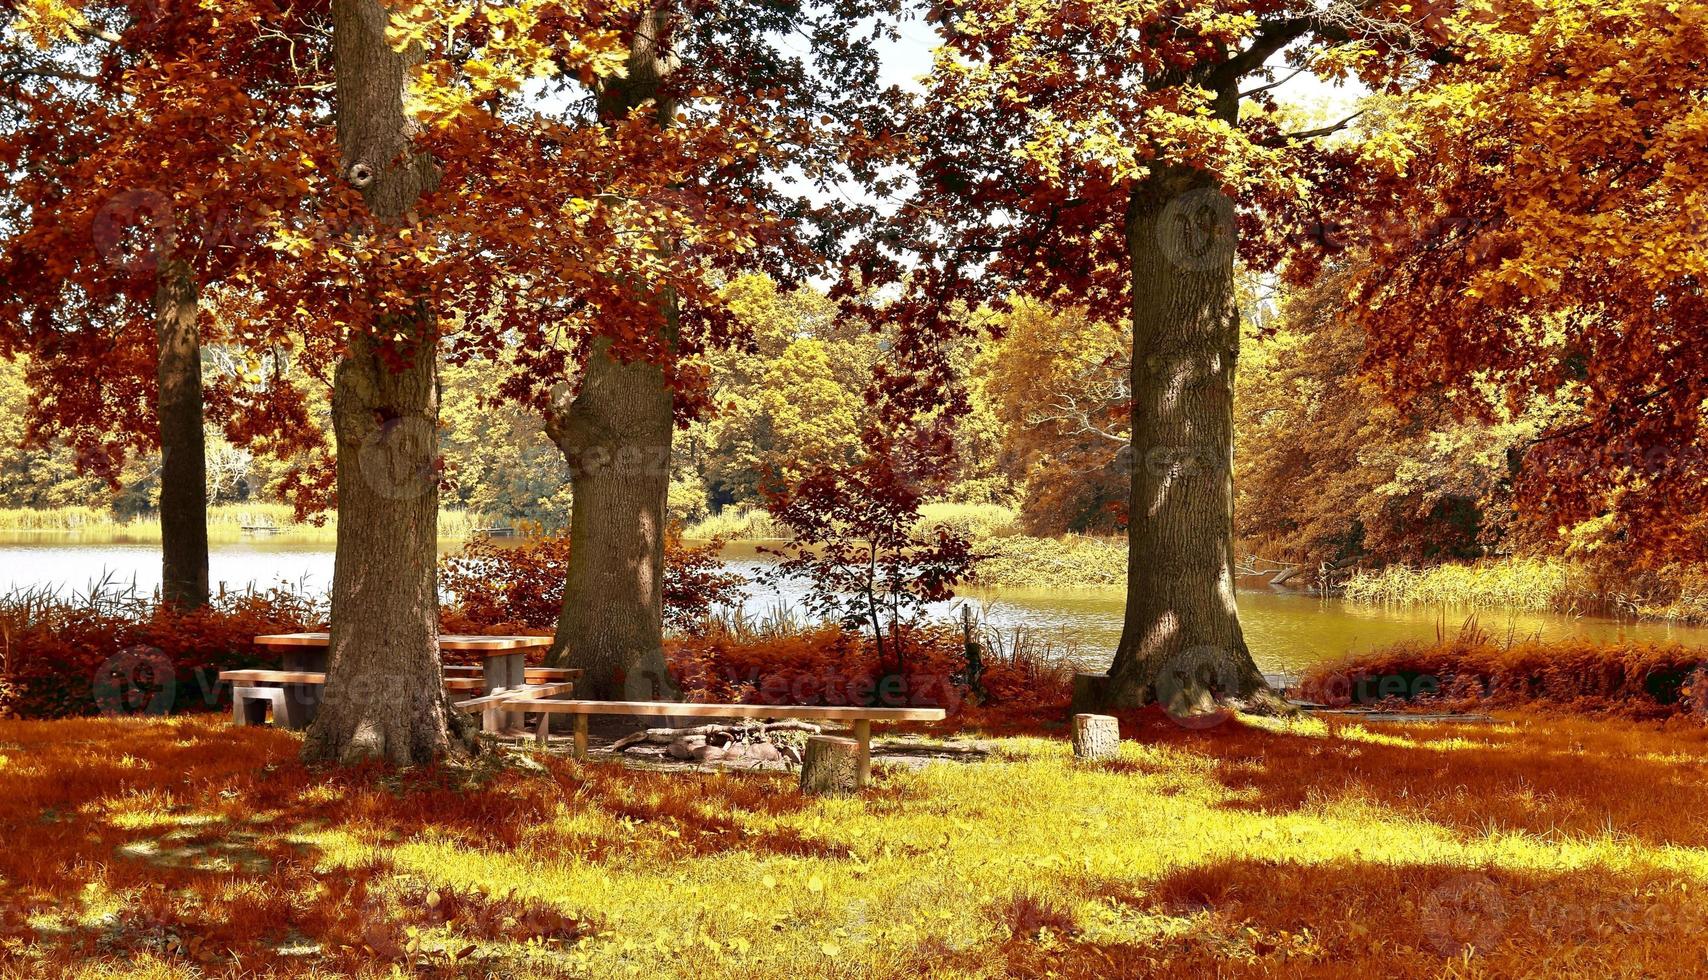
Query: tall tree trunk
{"points": [[1181, 642], [616, 437], [384, 697], [183, 454]]}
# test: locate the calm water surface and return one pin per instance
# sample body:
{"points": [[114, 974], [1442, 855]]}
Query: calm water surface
{"points": [[1287, 631]]}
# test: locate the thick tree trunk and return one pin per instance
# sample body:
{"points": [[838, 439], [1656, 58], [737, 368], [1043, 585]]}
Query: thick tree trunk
{"points": [[616, 437], [384, 695], [1181, 642], [183, 454]]}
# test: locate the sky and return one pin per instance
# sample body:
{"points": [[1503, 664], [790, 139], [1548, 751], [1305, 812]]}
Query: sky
{"points": [[910, 57]]}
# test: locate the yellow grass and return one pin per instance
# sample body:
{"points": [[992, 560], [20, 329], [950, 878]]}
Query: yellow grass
{"points": [[226, 522], [1558, 847]]}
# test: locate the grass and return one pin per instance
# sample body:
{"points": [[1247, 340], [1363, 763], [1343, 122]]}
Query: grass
{"points": [[1537, 846], [977, 521], [737, 524], [1068, 562], [225, 523], [1520, 583], [1673, 594]]}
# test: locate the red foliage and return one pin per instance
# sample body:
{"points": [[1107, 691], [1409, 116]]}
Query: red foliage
{"points": [[1631, 681], [58, 659], [854, 542], [834, 666], [494, 587]]}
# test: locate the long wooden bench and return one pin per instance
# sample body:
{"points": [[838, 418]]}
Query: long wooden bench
{"points": [[860, 718], [533, 675], [492, 706]]}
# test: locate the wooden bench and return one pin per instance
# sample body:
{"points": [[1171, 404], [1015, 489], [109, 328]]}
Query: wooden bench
{"points": [[861, 718], [493, 706], [532, 675], [292, 709]]}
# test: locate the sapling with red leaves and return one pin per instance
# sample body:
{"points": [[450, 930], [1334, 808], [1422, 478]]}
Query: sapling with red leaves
{"points": [[858, 544]]}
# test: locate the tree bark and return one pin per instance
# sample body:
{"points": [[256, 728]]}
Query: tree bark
{"points": [[616, 437], [1181, 642], [183, 453], [384, 697], [830, 765], [1096, 737]]}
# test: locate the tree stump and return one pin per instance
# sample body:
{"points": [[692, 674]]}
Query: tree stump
{"points": [[1096, 737], [830, 765]]}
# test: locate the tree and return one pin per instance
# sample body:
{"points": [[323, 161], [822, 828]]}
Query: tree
{"points": [[385, 694], [1535, 238], [1058, 381], [1118, 156], [156, 145], [855, 542], [471, 217], [711, 92], [1329, 471]]}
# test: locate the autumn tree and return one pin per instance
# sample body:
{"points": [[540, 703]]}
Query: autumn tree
{"points": [[430, 239], [1330, 471], [1538, 240], [153, 146], [1120, 156], [751, 125], [1058, 381], [786, 396]]}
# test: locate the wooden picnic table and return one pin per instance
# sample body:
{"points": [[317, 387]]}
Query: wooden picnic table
{"points": [[503, 659]]}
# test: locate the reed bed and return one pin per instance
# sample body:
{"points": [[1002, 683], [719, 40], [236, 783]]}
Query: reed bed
{"points": [[226, 522]]}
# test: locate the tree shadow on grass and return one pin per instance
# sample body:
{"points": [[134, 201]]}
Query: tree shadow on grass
{"points": [[195, 841], [1558, 777], [1257, 917]]}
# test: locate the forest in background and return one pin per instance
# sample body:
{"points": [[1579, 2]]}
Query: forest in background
{"points": [[1329, 473]]}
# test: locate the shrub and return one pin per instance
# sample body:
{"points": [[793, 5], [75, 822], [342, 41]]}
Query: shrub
{"points": [[857, 545], [828, 664], [105, 654], [517, 587], [1468, 672]]}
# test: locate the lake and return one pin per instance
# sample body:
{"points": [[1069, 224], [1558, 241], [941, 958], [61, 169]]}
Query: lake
{"points": [[1287, 631]]}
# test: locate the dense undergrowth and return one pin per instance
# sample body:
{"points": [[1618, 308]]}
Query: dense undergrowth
{"points": [[1535, 846], [1470, 673]]}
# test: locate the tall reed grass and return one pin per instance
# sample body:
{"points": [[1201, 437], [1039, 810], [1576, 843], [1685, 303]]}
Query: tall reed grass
{"points": [[737, 524], [226, 522]]}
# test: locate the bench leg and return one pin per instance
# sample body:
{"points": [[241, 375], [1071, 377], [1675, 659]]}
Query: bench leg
{"points": [[581, 736], [249, 705], [542, 734], [863, 758]]}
